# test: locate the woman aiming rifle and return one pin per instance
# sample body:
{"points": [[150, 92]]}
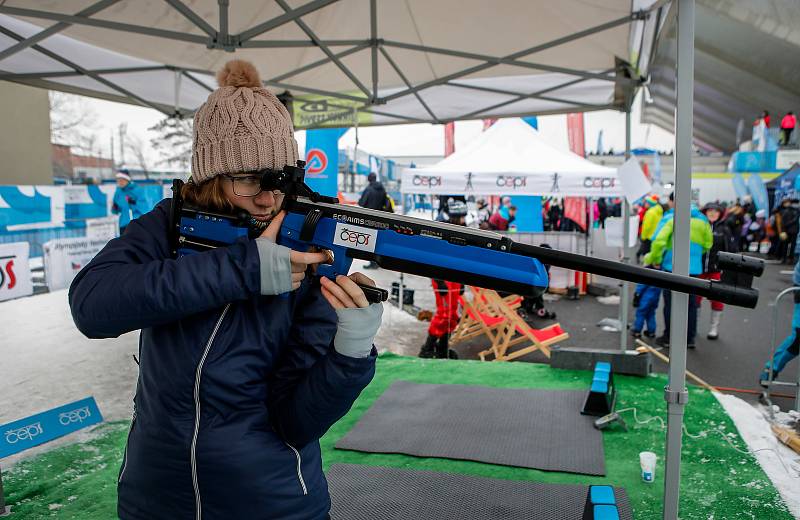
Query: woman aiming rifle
{"points": [[245, 360]]}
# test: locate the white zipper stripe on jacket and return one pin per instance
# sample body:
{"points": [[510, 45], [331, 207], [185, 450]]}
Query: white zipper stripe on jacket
{"points": [[125, 457], [198, 374], [299, 468]]}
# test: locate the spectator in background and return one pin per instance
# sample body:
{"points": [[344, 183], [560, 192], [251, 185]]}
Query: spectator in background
{"points": [[374, 197], [125, 198], [602, 212], [653, 215], [790, 347], [756, 231], [787, 229], [482, 219], [554, 214], [736, 221], [660, 254], [503, 218], [765, 118], [724, 241], [788, 123]]}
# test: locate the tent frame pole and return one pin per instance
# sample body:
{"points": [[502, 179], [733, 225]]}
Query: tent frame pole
{"points": [[626, 234], [285, 18], [675, 393], [324, 48], [83, 71], [53, 29]]}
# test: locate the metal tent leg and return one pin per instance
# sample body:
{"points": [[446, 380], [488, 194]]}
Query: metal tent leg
{"points": [[675, 392], [626, 233]]}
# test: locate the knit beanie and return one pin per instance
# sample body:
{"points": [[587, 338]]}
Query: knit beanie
{"points": [[241, 127]]}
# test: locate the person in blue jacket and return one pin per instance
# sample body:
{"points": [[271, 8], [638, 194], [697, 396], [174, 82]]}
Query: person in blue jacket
{"points": [[245, 361], [790, 347], [125, 200], [700, 241], [645, 299]]}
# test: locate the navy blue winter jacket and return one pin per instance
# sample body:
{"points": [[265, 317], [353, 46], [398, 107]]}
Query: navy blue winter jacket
{"points": [[234, 388]]}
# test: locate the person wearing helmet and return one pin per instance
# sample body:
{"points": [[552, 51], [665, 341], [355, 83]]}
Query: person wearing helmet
{"points": [[444, 321]]}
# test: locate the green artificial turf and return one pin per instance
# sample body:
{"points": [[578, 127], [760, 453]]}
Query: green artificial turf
{"points": [[79, 481]]}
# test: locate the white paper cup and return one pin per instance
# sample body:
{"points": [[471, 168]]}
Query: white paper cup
{"points": [[647, 460]]}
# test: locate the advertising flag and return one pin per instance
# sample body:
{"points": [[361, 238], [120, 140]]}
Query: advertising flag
{"points": [[322, 159]]}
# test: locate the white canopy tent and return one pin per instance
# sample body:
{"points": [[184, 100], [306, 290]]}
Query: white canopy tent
{"points": [[510, 158], [344, 62], [338, 62]]}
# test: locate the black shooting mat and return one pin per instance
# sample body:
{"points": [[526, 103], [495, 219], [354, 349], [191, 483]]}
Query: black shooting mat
{"points": [[539, 429], [376, 493]]}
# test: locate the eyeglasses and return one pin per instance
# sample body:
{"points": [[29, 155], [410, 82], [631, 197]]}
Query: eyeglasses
{"points": [[253, 184]]}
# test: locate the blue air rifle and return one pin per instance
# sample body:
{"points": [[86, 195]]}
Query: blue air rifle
{"points": [[432, 249]]}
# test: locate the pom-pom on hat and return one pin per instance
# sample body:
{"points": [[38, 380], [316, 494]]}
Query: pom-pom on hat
{"points": [[241, 127]]}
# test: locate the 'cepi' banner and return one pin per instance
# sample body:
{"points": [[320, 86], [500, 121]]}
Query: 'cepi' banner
{"points": [[46, 426], [322, 159]]}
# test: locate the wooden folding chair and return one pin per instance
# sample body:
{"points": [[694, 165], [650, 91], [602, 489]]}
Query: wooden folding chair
{"points": [[517, 332], [477, 319]]}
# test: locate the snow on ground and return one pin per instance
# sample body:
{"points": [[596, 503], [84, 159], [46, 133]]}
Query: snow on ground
{"points": [[46, 362], [780, 463]]}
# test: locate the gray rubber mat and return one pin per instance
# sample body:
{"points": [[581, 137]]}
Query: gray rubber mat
{"points": [[373, 493], [540, 429]]}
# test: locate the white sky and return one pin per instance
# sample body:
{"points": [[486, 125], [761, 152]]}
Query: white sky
{"points": [[414, 139]]}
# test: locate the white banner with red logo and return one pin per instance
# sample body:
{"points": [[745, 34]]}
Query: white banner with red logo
{"points": [[15, 273], [65, 257]]}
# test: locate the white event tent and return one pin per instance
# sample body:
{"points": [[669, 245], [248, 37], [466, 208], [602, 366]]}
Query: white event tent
{"points": [[512, 158]]}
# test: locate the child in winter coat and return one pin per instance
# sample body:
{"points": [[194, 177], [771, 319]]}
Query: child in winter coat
{"points": [[645, 299], [245, 361], [723, 240]]}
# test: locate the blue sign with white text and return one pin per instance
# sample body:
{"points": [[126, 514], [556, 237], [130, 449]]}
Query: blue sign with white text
{"points": [[37, 429]]}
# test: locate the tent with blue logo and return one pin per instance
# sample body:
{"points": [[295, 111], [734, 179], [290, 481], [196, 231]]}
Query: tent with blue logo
{"points": [[786, 185]]}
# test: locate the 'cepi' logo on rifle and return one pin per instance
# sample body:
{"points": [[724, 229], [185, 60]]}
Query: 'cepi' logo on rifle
{"points": [[355, 237]]}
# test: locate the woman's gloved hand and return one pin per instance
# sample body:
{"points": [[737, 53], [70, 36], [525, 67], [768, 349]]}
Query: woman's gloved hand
{"points": [[282, 269], [358, 320]]}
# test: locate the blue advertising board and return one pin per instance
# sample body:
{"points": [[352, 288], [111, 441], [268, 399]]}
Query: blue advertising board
{"points": [[43, 427]]}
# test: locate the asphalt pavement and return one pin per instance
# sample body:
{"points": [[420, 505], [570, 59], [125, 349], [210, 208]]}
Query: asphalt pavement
{"points": [[734, 360]]}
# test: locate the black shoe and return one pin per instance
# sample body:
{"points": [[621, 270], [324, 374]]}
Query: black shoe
{"points": [[649, 334], [428, 350], [451, 354], [663, 341], [690, 344], [636, 334], [443, 347]]}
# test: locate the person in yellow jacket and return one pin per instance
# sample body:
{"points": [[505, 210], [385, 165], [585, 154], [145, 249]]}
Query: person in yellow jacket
{"points": [[653, 215], [660, 255]]}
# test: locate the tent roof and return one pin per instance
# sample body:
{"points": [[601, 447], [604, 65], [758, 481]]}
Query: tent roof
{"points": [[745, 62], [790, 173], [511, 158], [412, 61], [512, 146]]}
